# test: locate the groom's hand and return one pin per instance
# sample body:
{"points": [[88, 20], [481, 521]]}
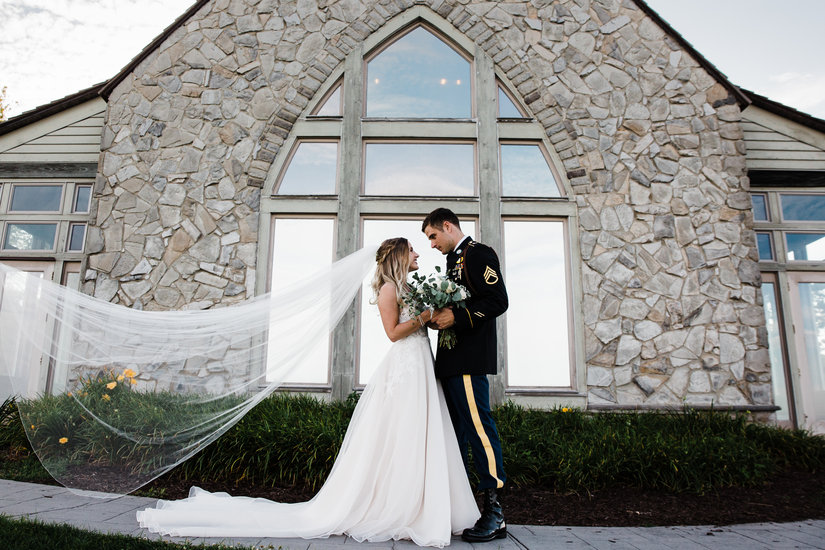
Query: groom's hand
{"points": [[443, 318]]}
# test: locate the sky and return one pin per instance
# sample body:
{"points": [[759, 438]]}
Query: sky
{"points": [[53, 48]]}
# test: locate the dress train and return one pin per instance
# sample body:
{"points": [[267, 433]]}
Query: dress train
{"points": [[398, 475]]}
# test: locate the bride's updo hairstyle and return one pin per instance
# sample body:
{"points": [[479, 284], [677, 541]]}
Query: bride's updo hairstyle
{"points": [[393, 259]]}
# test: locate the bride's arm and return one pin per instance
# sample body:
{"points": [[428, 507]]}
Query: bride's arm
{"points": [[388, 308]]}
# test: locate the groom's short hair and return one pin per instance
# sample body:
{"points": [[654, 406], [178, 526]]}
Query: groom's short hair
{"points": [[437, 217]]}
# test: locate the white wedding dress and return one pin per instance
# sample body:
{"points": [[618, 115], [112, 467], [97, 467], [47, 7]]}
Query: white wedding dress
{"points": [[398, 475]]}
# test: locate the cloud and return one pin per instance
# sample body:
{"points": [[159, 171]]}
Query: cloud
{"points": [[802, 91], [53, 48]]}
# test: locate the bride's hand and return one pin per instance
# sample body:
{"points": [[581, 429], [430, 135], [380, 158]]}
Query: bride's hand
{"points": [[426, 316]]}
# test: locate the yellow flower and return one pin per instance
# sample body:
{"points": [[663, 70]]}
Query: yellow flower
{"points": [[120, 378], [129, 373], [63, 440], [69, 394], [111, 385], [32, 426], [565, 409], [133, 381], [106, 397]]}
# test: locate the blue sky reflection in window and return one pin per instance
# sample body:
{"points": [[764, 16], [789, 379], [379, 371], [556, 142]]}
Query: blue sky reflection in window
{"points": [[419, 76]]}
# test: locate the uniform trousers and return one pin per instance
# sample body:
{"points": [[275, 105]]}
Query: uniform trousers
{"points": [[468, 400]]}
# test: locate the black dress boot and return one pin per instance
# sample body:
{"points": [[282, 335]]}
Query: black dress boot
{"points": [[491, 524]]}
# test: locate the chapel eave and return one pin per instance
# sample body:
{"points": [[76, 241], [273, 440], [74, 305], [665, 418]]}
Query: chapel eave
{"points": [[51, 108]]}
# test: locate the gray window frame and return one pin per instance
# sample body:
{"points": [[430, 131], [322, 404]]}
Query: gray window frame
{"points": [[64, 218]]}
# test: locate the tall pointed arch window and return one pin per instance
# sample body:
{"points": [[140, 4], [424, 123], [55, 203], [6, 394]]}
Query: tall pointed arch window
{"points": [[422, 119]]}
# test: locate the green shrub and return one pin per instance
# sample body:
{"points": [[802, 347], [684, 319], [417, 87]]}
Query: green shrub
{"points": [[573, 450], [294, 439]]}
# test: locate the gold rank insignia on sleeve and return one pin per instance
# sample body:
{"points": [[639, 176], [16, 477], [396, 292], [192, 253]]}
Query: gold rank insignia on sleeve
{"points": [[478, 314], [490, 276]]}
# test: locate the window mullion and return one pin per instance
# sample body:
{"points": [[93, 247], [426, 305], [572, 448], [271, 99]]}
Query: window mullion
{"points": [[349, 188], [489, 188]]}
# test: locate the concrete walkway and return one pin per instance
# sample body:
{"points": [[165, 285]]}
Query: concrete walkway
{"points": [[59, 505]]}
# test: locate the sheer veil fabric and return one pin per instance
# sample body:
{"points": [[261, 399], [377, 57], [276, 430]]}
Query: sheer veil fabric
{"points": [[112, 397], [399, 474]]}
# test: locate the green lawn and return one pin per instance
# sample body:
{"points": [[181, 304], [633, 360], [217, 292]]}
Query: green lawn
{"points": [[25, 534]]}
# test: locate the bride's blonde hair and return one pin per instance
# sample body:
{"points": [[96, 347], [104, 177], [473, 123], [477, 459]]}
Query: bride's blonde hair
{"points": [[393, 259]]}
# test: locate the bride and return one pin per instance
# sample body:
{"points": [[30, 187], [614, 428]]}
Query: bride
{"points": [[399, 473]]}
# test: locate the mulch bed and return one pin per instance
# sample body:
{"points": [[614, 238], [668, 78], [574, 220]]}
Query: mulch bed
{"points": [[790, 496]]}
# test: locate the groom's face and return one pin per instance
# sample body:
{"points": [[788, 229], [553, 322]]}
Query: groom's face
{"points": [[440, 239]]}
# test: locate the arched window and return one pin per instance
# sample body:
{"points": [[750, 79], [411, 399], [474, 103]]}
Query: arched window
{"points": [[416, 118]]}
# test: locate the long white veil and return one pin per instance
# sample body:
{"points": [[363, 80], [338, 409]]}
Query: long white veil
{"points": [[112, 397]]}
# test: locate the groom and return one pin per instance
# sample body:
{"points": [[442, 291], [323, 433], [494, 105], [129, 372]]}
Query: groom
{"points": [[463, 369]]}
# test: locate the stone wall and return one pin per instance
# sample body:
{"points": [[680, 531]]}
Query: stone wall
{"points": [[650, 142]]}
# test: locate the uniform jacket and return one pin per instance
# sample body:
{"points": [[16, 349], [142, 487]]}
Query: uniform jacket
{"points": [[475, 266]]}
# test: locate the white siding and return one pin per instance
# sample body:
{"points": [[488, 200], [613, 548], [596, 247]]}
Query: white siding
{"points": [[72, 135], [775, 143]]}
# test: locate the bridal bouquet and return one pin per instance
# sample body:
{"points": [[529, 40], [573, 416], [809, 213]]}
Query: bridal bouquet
{"points": [[436, 291]]}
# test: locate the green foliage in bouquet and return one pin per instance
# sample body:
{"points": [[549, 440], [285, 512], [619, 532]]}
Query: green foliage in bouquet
{"points": [[436, 291]]}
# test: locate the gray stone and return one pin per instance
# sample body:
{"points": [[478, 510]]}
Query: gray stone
{"points": [[136, 289], [684, 230], [600, 395], [599, 376], [646, 330], [173, 195], [211, 280], [142, 268], [207, 249], [699, 382], [749, 272], [647, 383], [105, 288], [310, 47], [608, 330], [584, 42], [634, 308], [627, 350], [731, 395], [664, 227], [167, 297], [730, 348], [615, 24]]}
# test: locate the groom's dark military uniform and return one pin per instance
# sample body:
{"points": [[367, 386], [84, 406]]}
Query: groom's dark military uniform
{"points": [[463, 369]]}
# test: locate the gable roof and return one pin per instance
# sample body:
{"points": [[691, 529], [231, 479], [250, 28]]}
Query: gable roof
{"points": [[49, 109], [786, 112]]}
